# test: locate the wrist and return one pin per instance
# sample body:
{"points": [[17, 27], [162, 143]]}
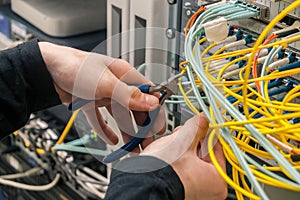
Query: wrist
{"points": [[62, 63], [55, 55]]}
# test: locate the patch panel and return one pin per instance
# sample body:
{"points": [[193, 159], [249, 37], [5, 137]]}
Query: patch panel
{"points": [[254, 26]]}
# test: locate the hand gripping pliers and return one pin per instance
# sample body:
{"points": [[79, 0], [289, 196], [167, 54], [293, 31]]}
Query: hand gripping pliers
{"points": [[166, 88]]}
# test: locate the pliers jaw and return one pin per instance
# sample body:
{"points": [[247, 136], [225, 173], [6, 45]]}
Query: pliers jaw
{"points": [[167, 88]]}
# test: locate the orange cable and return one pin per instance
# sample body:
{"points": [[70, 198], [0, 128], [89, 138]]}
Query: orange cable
{"points": [[254, 66], [192, 20]]}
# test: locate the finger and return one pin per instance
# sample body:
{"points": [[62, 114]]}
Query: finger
{"points": [[177, 129], [109, 85], [124, 121], [184, 139], [200, 126], [64, 96], [140, 117], [123, 118], [93, 78], [98, 124], [147, 141], [131, 97], [218, 151], [159, 126], [127, 73], [189, 135]]}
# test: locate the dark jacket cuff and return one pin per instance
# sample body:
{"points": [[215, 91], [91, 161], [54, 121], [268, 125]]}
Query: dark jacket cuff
{"points": [[37, 76], [146, 177]]}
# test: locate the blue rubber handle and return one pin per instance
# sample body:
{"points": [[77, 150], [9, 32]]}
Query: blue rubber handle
{"points": [[135, 141], [144, 88]]}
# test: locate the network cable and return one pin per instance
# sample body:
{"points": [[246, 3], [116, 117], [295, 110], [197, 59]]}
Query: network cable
{"points": [[257, 114]]}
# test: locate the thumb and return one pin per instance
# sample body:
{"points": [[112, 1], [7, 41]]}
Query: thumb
{"points": [[132, 98], [184, 139], [200, 125]]}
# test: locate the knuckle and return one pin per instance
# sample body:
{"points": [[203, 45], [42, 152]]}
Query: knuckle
{"points": [[136, 93]]}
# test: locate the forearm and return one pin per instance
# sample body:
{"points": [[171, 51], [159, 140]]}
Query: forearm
{"points": [[144, 177], [25, 85]]}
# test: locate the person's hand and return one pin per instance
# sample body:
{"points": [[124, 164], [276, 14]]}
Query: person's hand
{"points": [[97, 77], [181, 150]]}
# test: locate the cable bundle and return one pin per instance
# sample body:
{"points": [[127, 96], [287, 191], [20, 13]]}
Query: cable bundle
{"points": [[248, 112]]}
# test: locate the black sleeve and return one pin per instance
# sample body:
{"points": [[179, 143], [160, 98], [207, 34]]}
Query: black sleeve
{"points": [[25, 86], [144, 177]]}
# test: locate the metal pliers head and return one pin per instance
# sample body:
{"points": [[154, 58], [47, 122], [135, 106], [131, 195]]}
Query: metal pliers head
{"points": [[167, 88]]}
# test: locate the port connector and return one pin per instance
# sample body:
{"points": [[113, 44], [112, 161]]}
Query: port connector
{"points": [[264, 11]]}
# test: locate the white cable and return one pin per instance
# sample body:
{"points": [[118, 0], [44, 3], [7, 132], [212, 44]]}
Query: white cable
{"points": [[92, 188], [227, 40], [90, 179], [230, 68], [95, 175], [262, 53], [31, 187], [232, 73], [30, 172], [141, 68], [195, 62], [262, 60], [217, 65], [235, 44]]}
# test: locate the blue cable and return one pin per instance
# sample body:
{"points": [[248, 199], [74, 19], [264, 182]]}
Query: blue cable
{"points": [[289, 66], [287, 87], [275, 83]]}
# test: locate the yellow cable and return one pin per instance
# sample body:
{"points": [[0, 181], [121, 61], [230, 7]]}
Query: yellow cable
{"points": [[223, 174], [249, 50], [202, 40], [228, 65], [259, 40], [208, 48], [235, 177], [68, 127]]}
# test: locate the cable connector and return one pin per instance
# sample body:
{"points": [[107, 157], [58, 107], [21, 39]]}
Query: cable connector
{"points": [[247, 39], [264, 11], [276, 83], [242, 63], [216, 30], [238, 36], [231, 30], [284, 61], [280, 54], [295, 28], [215, 22]]}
